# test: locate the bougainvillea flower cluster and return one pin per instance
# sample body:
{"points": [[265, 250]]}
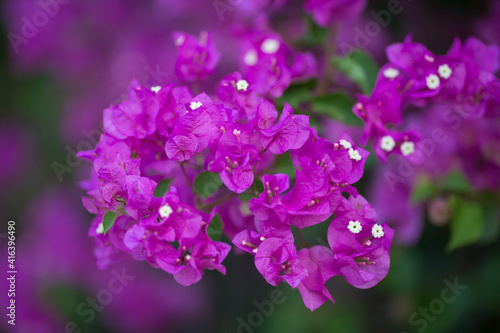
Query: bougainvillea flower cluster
{"points": [[169, 135], [456, 115], [415, 76], [268, 63]]}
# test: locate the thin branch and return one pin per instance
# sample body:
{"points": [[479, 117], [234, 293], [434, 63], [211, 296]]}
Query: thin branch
{"points": [[303, 242], [218, 201], [191, 186], [255, 191]]}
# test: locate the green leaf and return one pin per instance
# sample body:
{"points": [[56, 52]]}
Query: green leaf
{"points": [[360, 68], [466, 225], [336, 106], [315, 34], [423, 190], [457, 182], [207, 183], [296, 94], [246, 196], [65, 298], [259, 185], [316, 122], [108, 220], [371, 162], [491, 225], [214, 230], [162, 187], [283, 164]]}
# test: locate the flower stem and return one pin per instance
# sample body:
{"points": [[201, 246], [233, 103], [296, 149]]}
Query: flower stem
{"points": [[255, 191], [191, 186], [218, 201], [303, 242]]}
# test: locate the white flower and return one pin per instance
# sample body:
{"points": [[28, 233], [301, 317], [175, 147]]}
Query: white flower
{"points": [[445, 71], [429, 58], [354, 155], [236, 132], [387, 143], [354, 227], [250, 58], [432, 81], [407, 148], [195, 105], [180, 40], [155, 89], [391, 73], [165, 211], [377, 231], [346, 144], [100, 229], [242, 85], [270, 46]]}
